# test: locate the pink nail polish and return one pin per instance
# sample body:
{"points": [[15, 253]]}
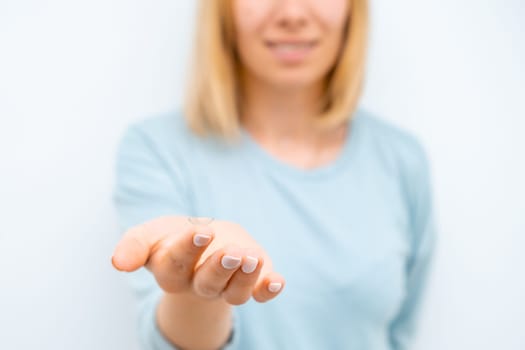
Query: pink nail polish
{"points": [[274, 287], [250, 264], [200, 240], [230, 262]]}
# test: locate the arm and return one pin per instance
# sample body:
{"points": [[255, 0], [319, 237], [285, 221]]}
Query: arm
{"points": [[185, 290], [144, 191], [189, 311], [418, 190], [193, 322]]}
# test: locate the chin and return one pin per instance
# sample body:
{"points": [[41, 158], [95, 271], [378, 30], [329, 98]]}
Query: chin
{"points": [[294, 80]]}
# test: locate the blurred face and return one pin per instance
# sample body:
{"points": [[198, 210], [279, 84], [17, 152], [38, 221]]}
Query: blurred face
{"points": [[289, 43]]}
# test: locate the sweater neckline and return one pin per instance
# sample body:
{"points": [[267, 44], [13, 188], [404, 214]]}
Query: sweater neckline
{"points": [[272, 163]]}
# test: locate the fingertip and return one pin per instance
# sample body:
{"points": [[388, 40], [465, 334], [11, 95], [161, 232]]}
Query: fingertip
{"points": [[198, 236], [274, 287], [250, 264], [128, 258], [113, 263], [201, 240], [270, 287], [120, 263]]}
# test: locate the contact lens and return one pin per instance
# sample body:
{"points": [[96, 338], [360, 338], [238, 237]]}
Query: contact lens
{"points": [[200, 220]]}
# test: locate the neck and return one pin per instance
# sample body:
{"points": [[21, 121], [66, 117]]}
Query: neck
{"points": [[274, 113], [283, 122]]}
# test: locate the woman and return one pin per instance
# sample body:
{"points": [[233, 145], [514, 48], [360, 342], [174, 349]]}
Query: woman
{"points": [[304, 188]]}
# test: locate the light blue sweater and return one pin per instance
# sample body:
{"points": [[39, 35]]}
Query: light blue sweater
{"points": [[353, 239]]}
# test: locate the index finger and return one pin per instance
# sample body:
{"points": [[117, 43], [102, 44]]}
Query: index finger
{"points": [[139, 242]]}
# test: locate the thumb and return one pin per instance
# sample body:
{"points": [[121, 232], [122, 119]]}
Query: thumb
{"points": [[137, 244], [132, 251]]}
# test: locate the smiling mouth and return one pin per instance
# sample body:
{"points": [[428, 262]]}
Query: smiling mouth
{"points": [[291, 46], [291, 52]]}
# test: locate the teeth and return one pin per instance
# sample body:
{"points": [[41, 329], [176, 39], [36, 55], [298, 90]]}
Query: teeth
{"points": [[291, 47]]}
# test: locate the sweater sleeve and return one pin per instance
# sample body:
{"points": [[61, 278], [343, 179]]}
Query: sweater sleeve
{"points": [[149, 183], [418, 188]]}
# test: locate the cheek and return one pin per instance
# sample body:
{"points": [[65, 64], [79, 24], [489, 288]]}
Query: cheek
{"points": [[331, 16], [250, 14], [250, 17], [331, 13]]}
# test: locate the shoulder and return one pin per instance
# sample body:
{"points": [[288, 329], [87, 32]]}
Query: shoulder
{"points": [[158, 133], [162, 126], [157, 144], [399, 148]]}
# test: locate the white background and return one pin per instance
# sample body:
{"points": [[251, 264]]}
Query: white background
{"points": [[74, 74]]}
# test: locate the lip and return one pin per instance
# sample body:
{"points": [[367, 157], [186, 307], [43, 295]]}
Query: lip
{"points": [[291, 51]]}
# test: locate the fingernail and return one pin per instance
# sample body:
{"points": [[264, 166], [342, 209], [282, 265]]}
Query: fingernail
{"points": [[275, 287], [230, 262], [200, 240], [250, 264]]}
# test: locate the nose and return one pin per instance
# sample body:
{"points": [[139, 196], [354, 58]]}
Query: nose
{"points": [[292, 14]]}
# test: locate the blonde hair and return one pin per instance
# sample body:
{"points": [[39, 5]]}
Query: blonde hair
{"points": [[211, 103]]}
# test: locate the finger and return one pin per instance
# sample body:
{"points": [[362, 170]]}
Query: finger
{"points": [[213, 274], [174, 264], [240, 287], [137, 243], [269, 287]]}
